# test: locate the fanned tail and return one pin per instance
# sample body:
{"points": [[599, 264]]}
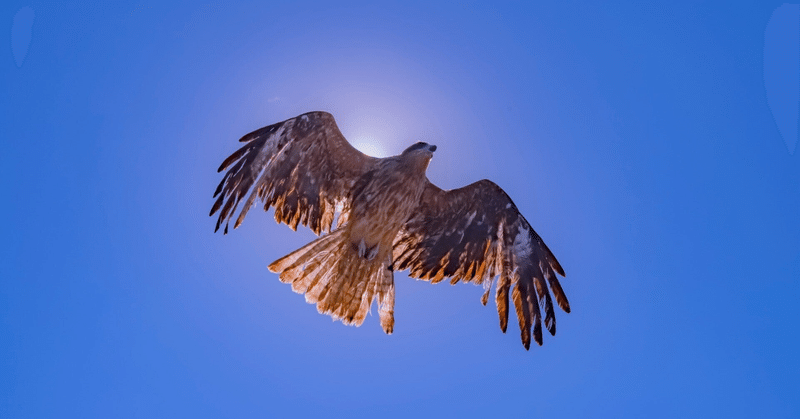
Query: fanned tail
{"points": [[332, 275]]}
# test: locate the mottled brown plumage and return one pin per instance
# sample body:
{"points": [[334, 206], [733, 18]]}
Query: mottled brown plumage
{"points": [[390, 217]]}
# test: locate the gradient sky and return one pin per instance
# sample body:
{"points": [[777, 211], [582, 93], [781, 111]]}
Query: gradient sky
{"points": [[637, 139]]}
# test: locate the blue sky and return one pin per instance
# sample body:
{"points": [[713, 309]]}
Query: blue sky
{"points": [[638, 140]]}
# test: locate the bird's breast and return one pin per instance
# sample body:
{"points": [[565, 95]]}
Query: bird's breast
{"points": [[382, 207]]}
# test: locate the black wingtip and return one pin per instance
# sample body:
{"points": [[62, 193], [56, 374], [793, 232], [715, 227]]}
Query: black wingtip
{"points": [[557, 267], [537, 333]]}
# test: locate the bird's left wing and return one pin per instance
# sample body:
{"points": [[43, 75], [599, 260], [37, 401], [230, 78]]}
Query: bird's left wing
{"points": [[303, 166], [474, 234]]}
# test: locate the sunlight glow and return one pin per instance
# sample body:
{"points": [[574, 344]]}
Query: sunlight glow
{"points": [[370, 147]]}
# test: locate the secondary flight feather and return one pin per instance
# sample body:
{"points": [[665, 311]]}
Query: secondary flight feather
{"points": [[389, 217]]}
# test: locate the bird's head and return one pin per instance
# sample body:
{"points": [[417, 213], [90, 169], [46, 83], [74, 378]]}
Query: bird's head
{"points": [[421, 149], [420, 153]]}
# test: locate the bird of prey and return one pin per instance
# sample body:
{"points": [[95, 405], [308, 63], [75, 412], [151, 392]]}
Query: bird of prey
{"points": [[388, 217]]}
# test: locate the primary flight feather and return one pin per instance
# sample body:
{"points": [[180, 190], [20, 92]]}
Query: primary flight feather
{"points": [[390, 218]]}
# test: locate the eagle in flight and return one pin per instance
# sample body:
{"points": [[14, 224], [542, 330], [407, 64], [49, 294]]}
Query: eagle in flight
{"points": [[388, 217]]}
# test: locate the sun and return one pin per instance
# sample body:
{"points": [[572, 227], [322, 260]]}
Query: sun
{"points": [[370, 146]]}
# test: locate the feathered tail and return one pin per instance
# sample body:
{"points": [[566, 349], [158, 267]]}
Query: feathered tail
{"points": [[332, 275]]}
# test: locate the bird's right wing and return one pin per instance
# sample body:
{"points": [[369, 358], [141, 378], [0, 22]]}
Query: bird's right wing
{"points": [[303, 166]]}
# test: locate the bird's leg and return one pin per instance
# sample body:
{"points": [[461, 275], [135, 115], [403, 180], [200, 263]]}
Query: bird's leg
{"points": [[364, 251], [362, 248], [372, 252]]}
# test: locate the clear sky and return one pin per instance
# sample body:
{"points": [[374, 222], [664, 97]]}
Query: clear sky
{"points": [[638, 140]]}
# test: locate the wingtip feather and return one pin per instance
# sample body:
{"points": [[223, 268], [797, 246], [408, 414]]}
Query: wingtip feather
{"points": [[215, 207], [559, 269], [537, 333]]}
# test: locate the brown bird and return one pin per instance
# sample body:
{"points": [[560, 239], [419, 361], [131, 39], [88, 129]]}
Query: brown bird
{"points": [[389, 217]]}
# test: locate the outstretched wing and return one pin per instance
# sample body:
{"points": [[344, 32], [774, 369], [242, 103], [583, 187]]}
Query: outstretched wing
{"points": [[303, 167], [474, 234]]}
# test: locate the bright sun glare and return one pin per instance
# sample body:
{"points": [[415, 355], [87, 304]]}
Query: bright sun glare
{"points": [[370, 147]]}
